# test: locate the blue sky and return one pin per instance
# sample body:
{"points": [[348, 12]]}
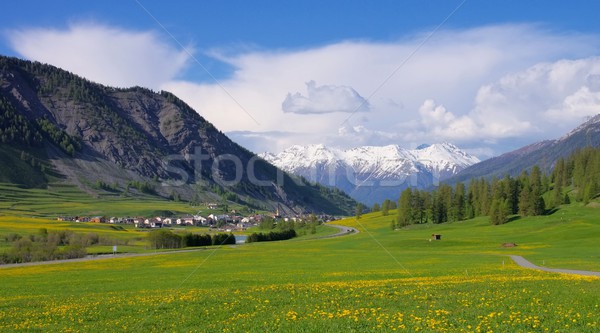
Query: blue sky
{"points": [[489, 76]]}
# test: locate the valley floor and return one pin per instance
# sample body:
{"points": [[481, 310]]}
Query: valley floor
{"points": [[376, 280]]}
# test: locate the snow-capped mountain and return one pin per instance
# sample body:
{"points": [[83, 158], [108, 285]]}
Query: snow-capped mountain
{"points": [[372, 174]]}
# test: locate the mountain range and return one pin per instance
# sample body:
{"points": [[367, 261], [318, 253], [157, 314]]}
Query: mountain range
{"points": [[371, 174], [57, 128], [543, 154]]}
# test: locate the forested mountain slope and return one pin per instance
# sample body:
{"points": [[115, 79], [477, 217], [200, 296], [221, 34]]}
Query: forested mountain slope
{"points": [[55, 125]]}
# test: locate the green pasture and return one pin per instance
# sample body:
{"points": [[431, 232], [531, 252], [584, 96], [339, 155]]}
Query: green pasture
{"points": [[27, 211], [378, 280], [69, 200]]}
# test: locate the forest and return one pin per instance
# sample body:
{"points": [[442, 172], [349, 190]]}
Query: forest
{"points": [[532, 193]]}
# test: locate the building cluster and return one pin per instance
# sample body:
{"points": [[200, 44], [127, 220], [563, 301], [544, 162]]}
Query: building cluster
{"points": [[227, 222], [224, 222]]}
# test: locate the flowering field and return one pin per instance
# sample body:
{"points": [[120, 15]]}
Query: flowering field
{"points": [[373, 281], [521, 302]]}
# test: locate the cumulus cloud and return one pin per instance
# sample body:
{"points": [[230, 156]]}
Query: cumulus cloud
{"points": [[104, 54], [325, 99], [540, 102], [360, 135], [582, 103], [269, 141], [593, 82], [493, 84], [542, 99], [461, 86]]}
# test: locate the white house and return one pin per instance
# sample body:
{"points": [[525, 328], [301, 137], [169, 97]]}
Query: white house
{"points": [[201, 219]]}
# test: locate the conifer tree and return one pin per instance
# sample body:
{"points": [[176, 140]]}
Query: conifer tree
{"points": [[376, 207], [405, 212], [385, 207], [498, 212], [359, 210], [459, 202]]}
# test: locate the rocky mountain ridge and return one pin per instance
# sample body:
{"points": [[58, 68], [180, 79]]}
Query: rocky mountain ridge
{"points": [[373, 173], [80, 132]]}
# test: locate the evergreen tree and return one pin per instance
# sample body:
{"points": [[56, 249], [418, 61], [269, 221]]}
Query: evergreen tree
{"points": [[405, 212], [512, 194], [459, 202], [393, 204], [557, 196], [445, 197], [376, 207], [589, 192], [439, 211], [498, 211], [566, 200], [385, 207], [539, 206], [359, 210], [525, 205], [419, 203]]}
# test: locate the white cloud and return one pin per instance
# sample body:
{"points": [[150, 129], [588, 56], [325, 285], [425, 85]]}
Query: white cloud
{"points": [[434, 116], [507, 83], [325, 99], [544, 99], [469, 74], [359, 135], [540, 102], [580, 104], [103, 54]]}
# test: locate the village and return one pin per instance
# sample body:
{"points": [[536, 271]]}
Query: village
{"points": [[222, 222]]}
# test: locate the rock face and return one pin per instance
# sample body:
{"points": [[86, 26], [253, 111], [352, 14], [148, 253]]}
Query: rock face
{"points": [[372, 174], [92, 133]]}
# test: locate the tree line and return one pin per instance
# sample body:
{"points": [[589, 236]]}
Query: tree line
{"points": [[167, 239], [531, 193], [50, 245], [271, 236]]}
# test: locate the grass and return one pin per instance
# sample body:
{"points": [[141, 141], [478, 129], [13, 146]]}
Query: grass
{"points": [[68, 200], [26, 211], [376, 280]]}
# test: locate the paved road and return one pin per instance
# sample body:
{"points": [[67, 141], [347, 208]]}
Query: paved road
{"points": [[343, 231], [527, 264], [97, 257]]}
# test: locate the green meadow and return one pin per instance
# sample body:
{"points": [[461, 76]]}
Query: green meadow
{"points": [[377, 280], [68, 200]]}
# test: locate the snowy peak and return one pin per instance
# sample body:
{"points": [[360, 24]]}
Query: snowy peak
{"points": [[445, 159], [304, 156], [352, 169], [435, 157], [585, 129]]}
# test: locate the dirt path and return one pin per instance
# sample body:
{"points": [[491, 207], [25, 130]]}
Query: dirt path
{"points": [[527, 264]]}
